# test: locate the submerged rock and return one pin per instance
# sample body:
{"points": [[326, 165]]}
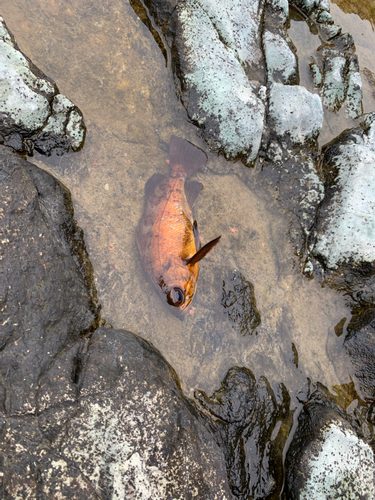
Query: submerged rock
{"points": [[250, 423], [239, 303], [327, 458], [32, 112]]}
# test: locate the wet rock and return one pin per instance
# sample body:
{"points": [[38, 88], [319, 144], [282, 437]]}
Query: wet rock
{"points": [[327, 458], [250, 423], [360, 345], [239, 303], [32, 112], [370, 78], [47, 294], [218, 67], [82, 414], [336, 73], [111, 423], [217, 92], [64, 128], [344, 235], [279, 51], [295, 120]]}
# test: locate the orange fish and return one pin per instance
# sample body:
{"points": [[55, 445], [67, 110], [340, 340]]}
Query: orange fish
{"points": [[167, 237]]}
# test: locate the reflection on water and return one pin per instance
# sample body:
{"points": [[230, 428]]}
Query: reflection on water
{"points": [[105, 60], [365, 9]]}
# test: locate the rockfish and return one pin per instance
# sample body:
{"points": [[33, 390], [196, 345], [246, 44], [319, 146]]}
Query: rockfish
{"points": [[167, 237]]}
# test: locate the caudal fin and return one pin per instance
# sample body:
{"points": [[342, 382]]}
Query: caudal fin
{"points": [[184, 156]]}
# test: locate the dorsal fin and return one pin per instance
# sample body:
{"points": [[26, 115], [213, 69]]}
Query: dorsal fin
{"points": [[184, 157], [192, 190], [202, 252]]}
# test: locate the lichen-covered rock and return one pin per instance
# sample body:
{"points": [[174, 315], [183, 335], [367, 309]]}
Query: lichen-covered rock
{"points": [[280, 59], [216, 90], [279, 51], [342, 244], [336, 73], [327, 458], [295, 114], [251, 424], [217, 59], [346, 225], [295, 119], [111, 423], [47, 295], [64, 128], [32, 112], [133, 432]]}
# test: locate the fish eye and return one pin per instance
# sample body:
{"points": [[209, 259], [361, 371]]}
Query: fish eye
{"points": [[175, 297]]}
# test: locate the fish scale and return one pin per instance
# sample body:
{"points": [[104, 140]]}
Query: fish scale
{"points": [[166, 236]]}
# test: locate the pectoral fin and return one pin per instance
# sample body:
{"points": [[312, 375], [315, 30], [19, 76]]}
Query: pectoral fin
{"points": [[192, 190], [196, 236], [202, 252]]}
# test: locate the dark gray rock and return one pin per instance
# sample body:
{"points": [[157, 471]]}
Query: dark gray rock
{"points": [[360, 345], [239, 303], [32, 112], [82, 414], [327, 457], [250, 423], [111, 422], [47, 294]]}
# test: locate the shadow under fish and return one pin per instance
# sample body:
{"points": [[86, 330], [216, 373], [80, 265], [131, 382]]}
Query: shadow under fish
{"points": [[167, 237]]}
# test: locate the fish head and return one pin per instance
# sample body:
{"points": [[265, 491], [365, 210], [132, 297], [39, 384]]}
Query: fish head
{"points": [[178, 293]]}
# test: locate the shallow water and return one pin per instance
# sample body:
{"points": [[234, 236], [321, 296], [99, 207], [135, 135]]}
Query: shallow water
{"points": [[105, 60]]}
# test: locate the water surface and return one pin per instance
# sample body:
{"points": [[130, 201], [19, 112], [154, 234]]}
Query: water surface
{"points": [[105, 60]]}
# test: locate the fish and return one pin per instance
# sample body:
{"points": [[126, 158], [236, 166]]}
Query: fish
{"points": [[167, 236]]}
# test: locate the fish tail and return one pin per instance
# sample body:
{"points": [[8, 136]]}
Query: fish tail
{"points": [[184, 157]]}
